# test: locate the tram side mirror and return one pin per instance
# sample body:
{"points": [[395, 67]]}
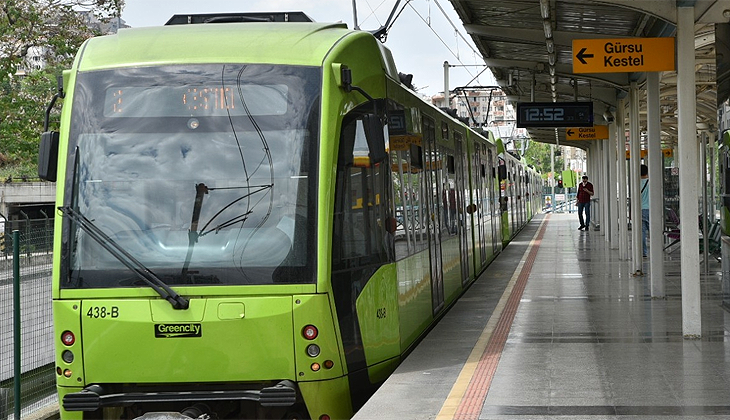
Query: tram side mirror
{"points": [[375, 137], [48, 148], [48, 156]]}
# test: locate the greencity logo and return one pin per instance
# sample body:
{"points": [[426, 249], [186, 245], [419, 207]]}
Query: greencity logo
{"points": [[178, 330]]}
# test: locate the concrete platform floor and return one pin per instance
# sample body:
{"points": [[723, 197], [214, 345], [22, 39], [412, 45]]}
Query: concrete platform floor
{"points": [[581, 338]]}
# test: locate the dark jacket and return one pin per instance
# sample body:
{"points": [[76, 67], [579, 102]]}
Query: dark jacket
{"points": [[584, 193]]}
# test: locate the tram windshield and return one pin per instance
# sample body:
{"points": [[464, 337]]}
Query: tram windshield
{"points": [[204, 174]]}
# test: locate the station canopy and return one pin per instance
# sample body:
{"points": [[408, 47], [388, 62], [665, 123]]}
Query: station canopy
{"points": [[529, 43]]}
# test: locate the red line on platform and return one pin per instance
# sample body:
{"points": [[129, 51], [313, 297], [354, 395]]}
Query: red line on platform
{"points": [[473, 400]]}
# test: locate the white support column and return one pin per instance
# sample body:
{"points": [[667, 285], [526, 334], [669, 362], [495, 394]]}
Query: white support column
{"points": [[606, 194], [712, 145], [612, 193], [597, 153], [597, 182], [702, 183], [623, 220], [635, 183], [688, 170], [656, 186]]}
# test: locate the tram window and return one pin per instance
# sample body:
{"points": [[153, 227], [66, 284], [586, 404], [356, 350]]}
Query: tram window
{"points": [[502, 172], [362, 206], [408, 192], [416, 156], [450, 164], [727, 172], [409, 184]]}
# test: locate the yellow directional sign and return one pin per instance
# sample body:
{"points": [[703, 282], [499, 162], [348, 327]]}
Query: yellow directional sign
{"points": [[666, 152], [597, 132], [623, 55]]}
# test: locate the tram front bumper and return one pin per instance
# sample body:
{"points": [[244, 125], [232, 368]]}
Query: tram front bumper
{"points": [[93, 397]]}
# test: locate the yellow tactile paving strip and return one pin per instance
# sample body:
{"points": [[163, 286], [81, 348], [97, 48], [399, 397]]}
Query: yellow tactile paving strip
{"points": [[467, 396]]}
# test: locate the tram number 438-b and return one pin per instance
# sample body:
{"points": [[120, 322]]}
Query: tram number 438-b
{"points": [[103, 312]]}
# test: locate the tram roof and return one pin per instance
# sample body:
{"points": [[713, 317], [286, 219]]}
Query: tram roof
{"points": [[521, 52], [302, 44]]}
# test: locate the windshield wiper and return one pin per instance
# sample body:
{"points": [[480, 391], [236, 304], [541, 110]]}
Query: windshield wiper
{"points": [[200, 190], [232, 221], [167, 293]]}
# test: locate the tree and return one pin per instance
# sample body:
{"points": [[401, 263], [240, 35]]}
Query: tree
{"points": [[55, 29], [538, 154]]}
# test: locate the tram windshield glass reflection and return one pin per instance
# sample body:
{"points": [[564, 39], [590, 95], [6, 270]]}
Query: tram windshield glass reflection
{"points": [[205, 174]]}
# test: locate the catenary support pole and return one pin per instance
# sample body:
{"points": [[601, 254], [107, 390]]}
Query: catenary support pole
{"points": [[688, 170], [447, 102]]}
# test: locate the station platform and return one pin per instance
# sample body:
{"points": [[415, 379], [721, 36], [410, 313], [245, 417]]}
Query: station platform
{"points": [[557, 327]]}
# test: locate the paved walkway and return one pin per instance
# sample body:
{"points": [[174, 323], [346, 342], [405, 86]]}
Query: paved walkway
{"points": [[559, 328]]}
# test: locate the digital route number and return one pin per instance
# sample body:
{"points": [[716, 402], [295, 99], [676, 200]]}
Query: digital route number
{"points": [[554, 114]]}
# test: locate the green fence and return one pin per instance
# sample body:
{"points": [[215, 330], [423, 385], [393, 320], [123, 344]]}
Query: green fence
{"points": [[27, 372]]}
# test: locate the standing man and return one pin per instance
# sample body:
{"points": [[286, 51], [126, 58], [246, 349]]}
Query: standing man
{"points": [[644, 207], [585, 192]]}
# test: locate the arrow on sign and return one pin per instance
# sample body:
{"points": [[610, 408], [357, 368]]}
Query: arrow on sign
{"points": [[569, 132], [581, 55]]}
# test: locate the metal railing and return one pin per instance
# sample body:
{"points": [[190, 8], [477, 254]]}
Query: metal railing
{"points": [[559, 202], [27, 373]]}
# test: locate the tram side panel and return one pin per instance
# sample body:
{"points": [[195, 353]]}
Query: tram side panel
{"points": [[426, 197]]}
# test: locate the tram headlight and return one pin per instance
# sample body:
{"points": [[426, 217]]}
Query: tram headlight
{"points": [[313, 350], [67, 356]]}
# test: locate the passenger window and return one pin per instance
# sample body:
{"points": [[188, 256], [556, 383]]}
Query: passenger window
{"points": [[409, 185], [363, 228]]}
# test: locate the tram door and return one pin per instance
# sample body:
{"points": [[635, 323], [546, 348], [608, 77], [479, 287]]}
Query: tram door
{"points": [[464, 229], [433, 214], [511, 181], [521, 199], [491, 196], [482, 202]]}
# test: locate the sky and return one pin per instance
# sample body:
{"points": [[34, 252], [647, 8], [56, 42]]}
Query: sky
{"points": [[421, 38]]}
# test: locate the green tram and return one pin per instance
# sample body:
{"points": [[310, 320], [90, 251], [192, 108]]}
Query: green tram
{"points": [[258, 220]]}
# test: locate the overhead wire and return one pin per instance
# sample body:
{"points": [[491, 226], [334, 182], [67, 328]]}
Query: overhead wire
{"points": [[438, 36], [456, 29], [427, 22], [457, 33], [372, 12]]}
